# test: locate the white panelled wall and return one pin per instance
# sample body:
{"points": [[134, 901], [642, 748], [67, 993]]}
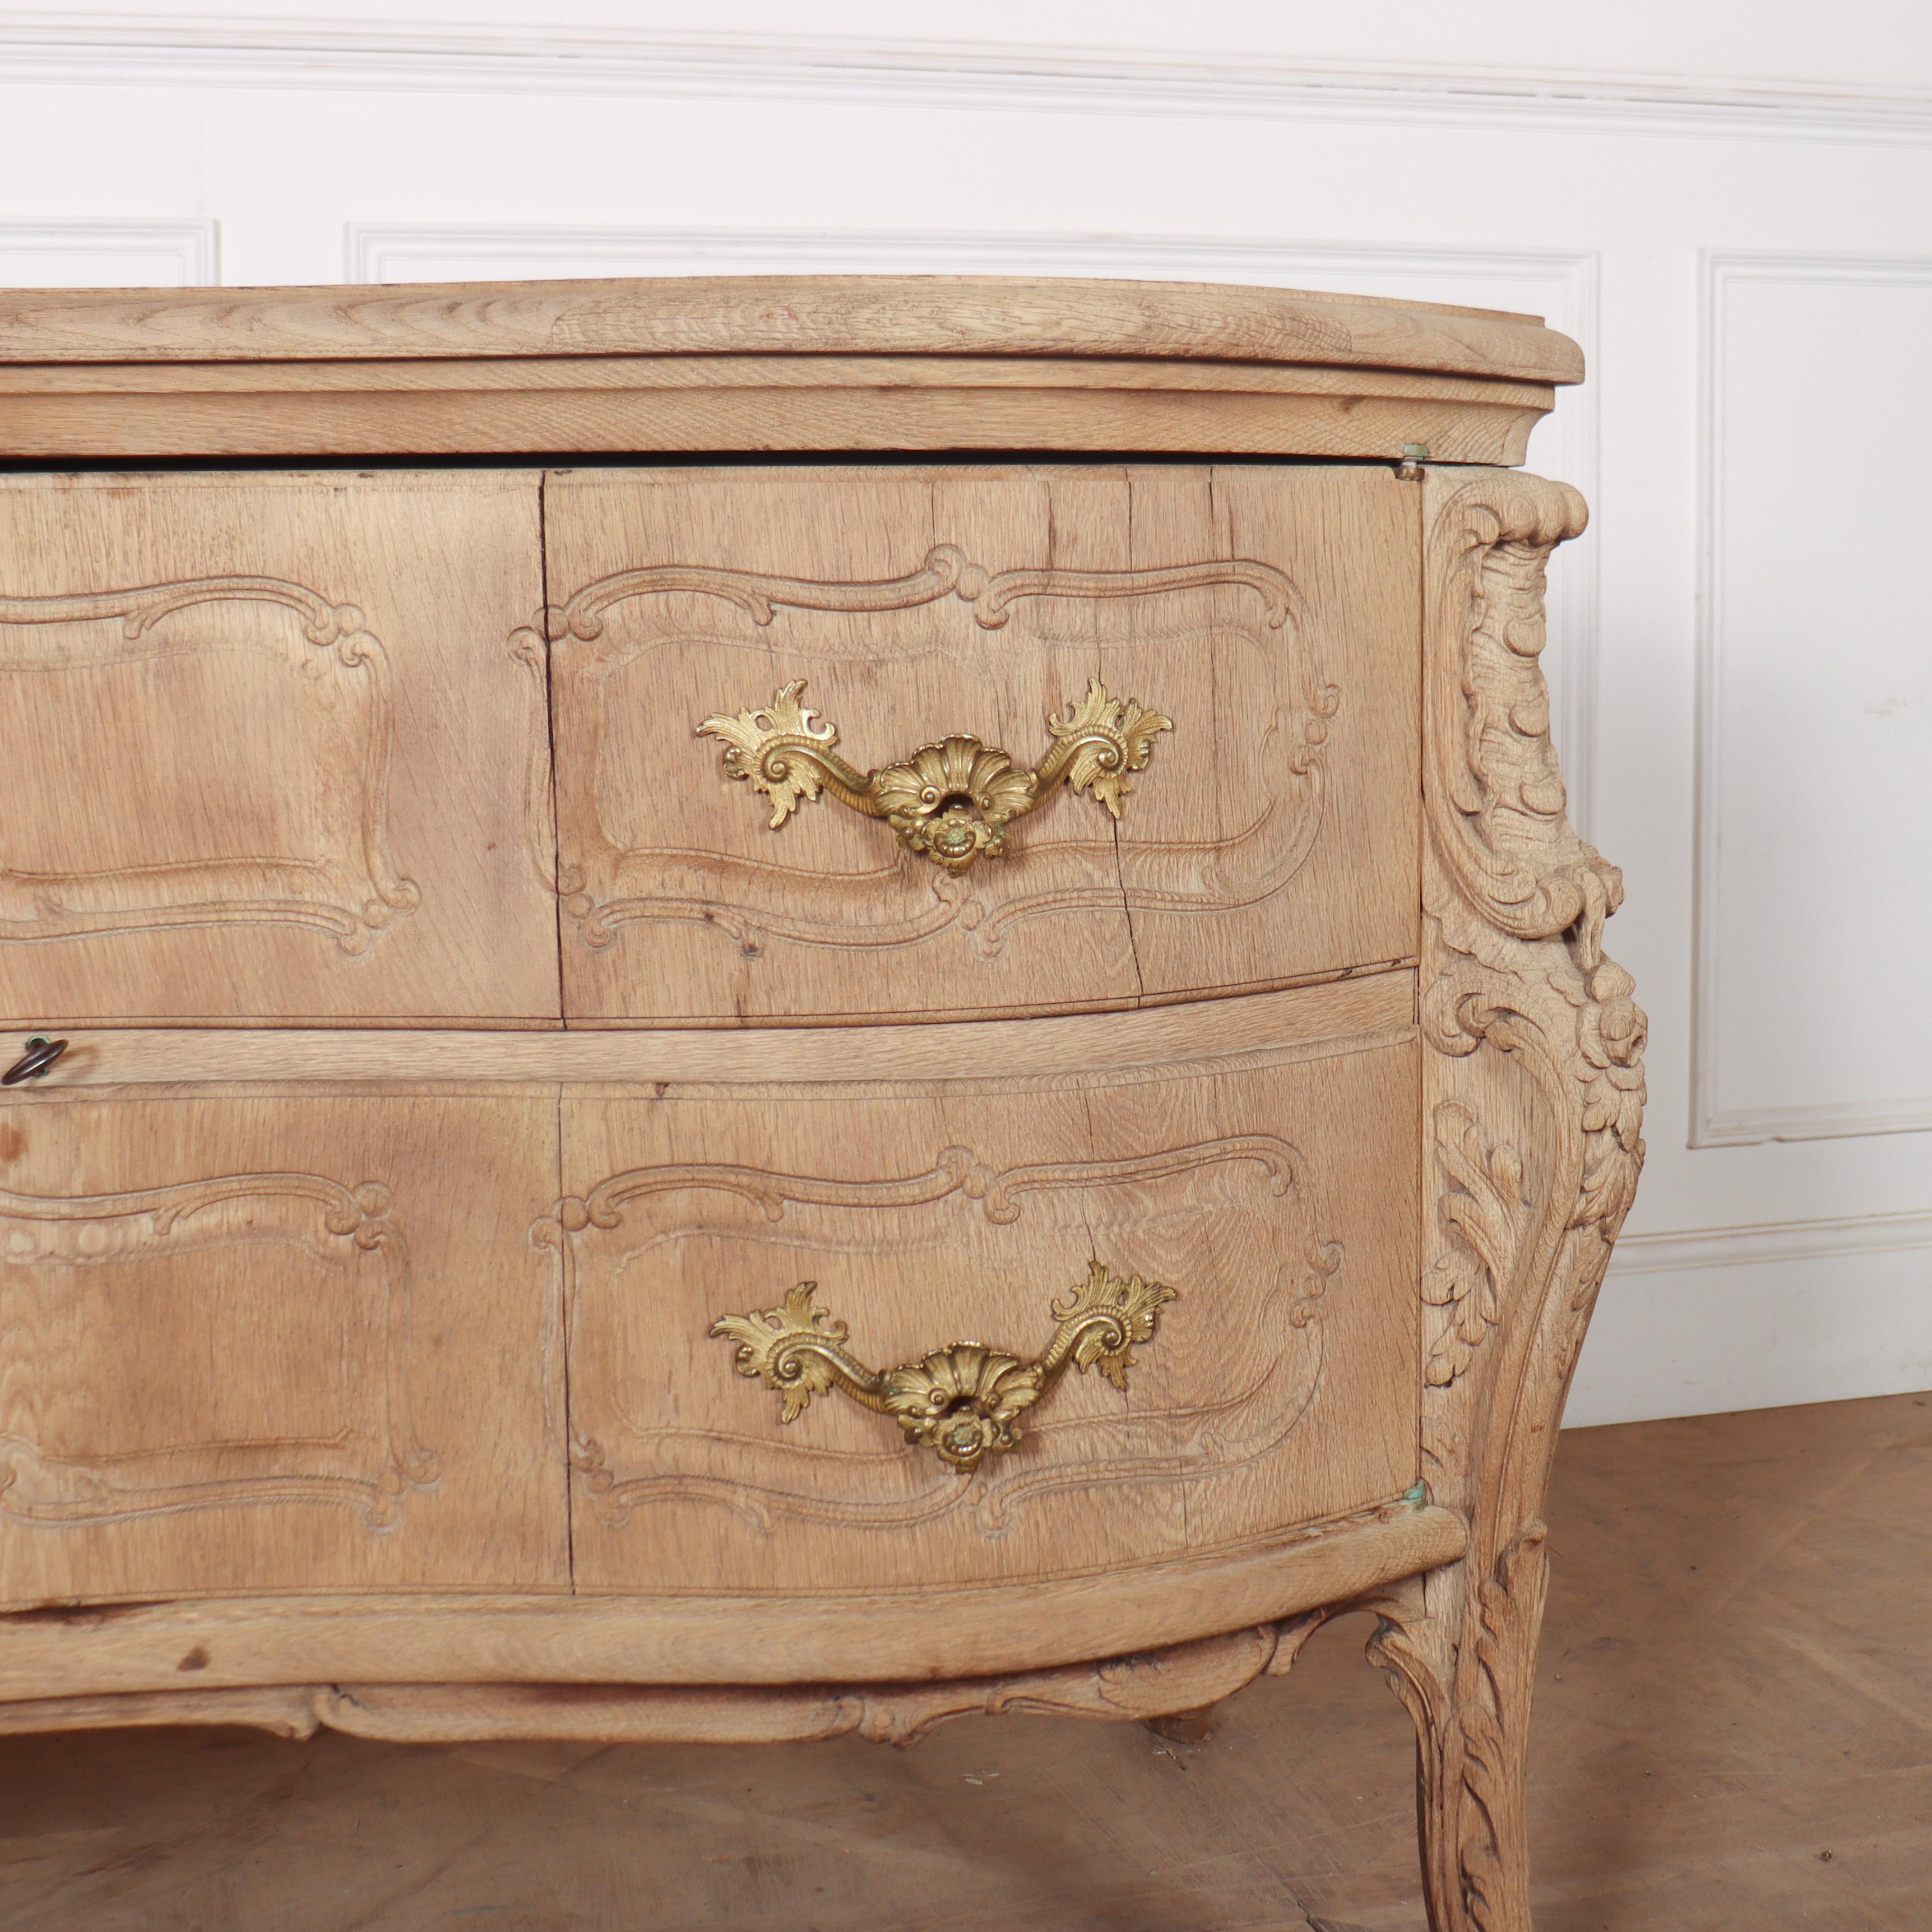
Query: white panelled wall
{"points": [[1729, 205]]}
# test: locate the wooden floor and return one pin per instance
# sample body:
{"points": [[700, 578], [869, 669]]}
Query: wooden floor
{"points": [[1734, 1729]]}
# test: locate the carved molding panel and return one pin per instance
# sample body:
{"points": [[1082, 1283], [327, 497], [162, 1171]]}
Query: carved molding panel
{"points": [[1236, 1216], [1533, 1101], [607, 881], [78, 1276], [529, 650], [1153, 1684], [316, 850]]}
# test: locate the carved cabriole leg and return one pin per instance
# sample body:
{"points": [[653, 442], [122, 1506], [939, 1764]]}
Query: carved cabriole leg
{"points": [[1532, 1099]]}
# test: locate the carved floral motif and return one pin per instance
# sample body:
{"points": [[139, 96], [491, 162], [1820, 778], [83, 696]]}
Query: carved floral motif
{"points": [[1534, 1093]]}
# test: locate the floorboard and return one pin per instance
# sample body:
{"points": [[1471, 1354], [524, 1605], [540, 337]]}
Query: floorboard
{"points": [[1734, 1728]]}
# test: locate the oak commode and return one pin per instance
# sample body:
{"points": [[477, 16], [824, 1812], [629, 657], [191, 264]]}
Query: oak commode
{"points": [[738, 1066]]}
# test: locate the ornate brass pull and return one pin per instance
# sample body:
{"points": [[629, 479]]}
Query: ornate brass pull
{"points": [[959, 1402], [951, 800]]}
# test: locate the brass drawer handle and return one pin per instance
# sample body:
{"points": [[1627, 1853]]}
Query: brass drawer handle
{"points": [[41, 1053], [958, 1401], [950, 801]]}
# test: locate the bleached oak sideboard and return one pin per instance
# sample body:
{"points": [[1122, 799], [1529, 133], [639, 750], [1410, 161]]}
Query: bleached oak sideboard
{"points": [[749, 1009]]}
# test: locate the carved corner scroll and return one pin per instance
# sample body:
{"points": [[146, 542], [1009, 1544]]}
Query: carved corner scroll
{"points": [[1533, 1102], [605, 886], [345, 885], [367, 1465]]}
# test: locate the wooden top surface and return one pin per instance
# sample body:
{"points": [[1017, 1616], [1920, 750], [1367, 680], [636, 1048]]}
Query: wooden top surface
{"points": [[1022, 317]]}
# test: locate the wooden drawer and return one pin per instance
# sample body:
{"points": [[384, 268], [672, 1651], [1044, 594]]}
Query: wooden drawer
{"points": [[260, 1345], [1270, 613], [267, 749], [1258, 1155]]}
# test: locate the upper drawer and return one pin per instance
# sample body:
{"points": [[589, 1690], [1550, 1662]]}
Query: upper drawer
{"points": [[1267, 615], [265, 748]]}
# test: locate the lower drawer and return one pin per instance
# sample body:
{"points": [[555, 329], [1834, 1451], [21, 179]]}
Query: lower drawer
{"points": [[285, 1313], [274, 1344], [1269, 1180]]}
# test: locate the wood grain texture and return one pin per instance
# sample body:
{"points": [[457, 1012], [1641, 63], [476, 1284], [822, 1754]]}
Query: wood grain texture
{"points": [[1269, 612], [756, 403], [1280, 1388], [927, 1636], [1699, 1667], [422, 1308], [1149, 1685], [1337, 1016], [948, 315], [608, 377], [271, 1346], [260, 749], [1533, 1100]]}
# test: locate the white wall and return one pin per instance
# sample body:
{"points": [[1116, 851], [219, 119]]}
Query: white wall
{"points": [[1730, 204]]}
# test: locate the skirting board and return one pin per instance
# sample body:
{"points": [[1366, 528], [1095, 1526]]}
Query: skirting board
{"points": [[1771, 1241], [1824, 1325]]}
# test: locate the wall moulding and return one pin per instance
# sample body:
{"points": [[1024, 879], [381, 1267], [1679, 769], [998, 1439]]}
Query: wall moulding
{"points": [[120, 49], [1766, 1242], [1715, 1122], [159, 253], [1560, 285]]}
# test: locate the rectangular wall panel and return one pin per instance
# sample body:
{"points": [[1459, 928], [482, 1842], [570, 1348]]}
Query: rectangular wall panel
{"points": [[83, 254], [1815, 726]]}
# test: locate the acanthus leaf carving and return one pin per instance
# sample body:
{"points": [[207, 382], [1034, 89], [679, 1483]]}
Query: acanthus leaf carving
{"points": [[1109, 738], [1533, 1093], [786, 781], [1484, 1215], [1493, 790]]}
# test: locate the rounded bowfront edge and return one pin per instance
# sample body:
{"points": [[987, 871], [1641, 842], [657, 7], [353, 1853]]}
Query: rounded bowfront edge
{"points": [[845, 315], [822, 363]]}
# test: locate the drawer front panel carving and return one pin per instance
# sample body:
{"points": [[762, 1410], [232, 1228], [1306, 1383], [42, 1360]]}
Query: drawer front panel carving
{"points": [[1274, 1191], [273, 1344], [1265, 617], [257, 729]]}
